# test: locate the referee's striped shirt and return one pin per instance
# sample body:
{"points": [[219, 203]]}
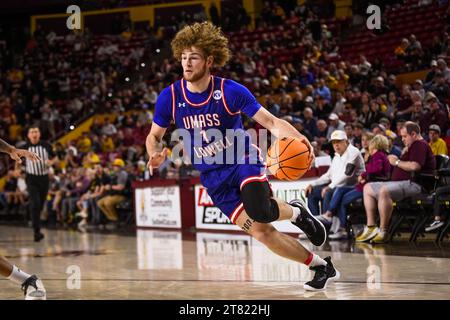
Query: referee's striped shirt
{"points": [[45, 152]]}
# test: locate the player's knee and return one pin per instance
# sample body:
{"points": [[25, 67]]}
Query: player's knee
{"points": [[258, 204]]}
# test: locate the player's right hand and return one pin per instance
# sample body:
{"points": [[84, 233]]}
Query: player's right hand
{"points": [[16, 154], [156, 159], [311, 151]]}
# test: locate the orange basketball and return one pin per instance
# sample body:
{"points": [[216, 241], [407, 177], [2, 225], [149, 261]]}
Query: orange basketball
{"points": [[288, 158]]}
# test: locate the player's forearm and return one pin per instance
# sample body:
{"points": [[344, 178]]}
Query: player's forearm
{"points": [[5, 147], [282, 128], [153, 144]]}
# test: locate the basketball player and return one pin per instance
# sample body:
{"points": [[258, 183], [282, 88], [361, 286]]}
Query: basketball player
{"points": [[31, 285], [200, 102]]}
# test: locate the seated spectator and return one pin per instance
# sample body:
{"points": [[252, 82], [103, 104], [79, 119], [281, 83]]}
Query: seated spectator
{"points": [[84, 143], [380, 195], [309, 122], [115, 191], [79, 185], [440, 87], [323, 91], [106, 143], [348, 128], [90, 159], [11, 192], [334, 124], [305, 77], [435, 114], [401, 50], [429, 78], [405, 104], [340, 104], [393, 149], [444, 69], [377, 167], [318, 150], [108, 128], [437, 144], [357, 134], [418, 86], [365, 139], [322, 130], [345, 168]]}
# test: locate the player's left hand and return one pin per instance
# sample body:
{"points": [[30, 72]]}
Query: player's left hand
{"points": [[16, 154]]}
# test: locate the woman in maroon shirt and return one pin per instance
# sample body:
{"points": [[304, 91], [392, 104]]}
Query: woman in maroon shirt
{"points": [[377, 165]]}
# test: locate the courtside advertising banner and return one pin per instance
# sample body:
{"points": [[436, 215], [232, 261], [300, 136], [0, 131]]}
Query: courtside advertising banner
{"points": [[207, 216], [158, 207]]}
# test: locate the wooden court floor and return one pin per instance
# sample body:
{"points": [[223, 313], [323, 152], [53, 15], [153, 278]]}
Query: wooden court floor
{"points": [[158, 264]]}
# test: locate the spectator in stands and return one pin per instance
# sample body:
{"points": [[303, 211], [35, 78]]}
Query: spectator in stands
{"points": [[323, 91], [377, 168], [435, 113], [10, 191], [322, 130], [444, 69], [79, 185], [339, 104], [84, 143], [357, 134], [348, 129], [334, 124], [108, 128], [305, 77], [401, 51], [405, 104], [437, 144], [364, 66], [318, 150], [309, 122], [378, 87], [392, 85], [115, 191], [429, 78], [346, 166], [365, 139], [440, 88], [375, 113], [418, 86], [380, 195]]}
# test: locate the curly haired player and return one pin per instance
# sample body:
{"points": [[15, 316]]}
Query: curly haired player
{"points": [[208, 108]]}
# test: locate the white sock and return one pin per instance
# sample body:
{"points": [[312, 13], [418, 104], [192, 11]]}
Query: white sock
{"points": [[18, 276], [314, 260], [295, 213]]}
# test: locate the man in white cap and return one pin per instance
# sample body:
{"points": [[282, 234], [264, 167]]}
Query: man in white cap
{"points": [[431, 74], [346, 166], [335, 124]]}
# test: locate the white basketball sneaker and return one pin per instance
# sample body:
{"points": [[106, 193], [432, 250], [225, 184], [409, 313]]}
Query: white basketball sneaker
{"points": [[33, 289]]}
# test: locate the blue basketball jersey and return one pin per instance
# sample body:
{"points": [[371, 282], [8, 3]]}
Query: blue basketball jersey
{"points": [[212, 120]]}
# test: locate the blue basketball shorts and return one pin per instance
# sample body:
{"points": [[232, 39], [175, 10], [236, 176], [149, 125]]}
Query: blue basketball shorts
{"points": [[224, 186]]}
